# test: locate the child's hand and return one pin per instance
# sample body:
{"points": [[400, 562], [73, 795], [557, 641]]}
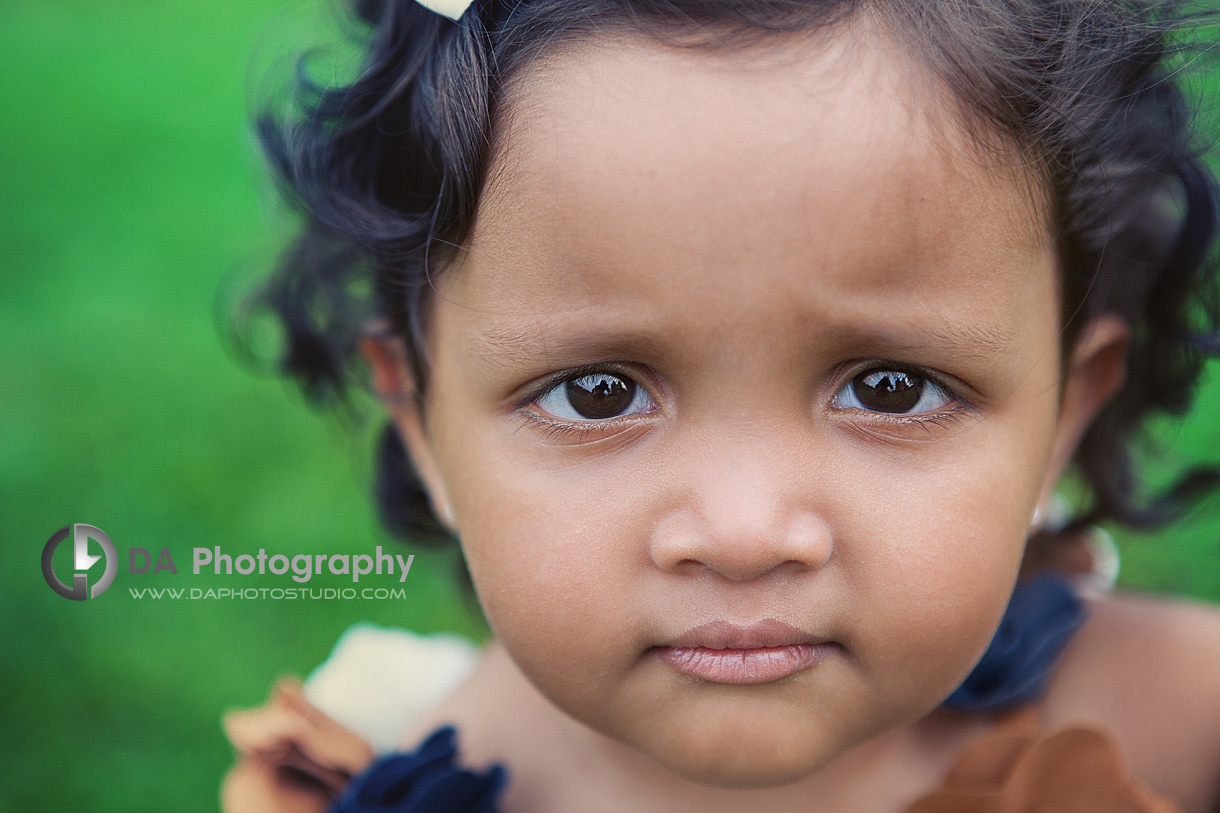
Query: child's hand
{"points": [[291, 757]]}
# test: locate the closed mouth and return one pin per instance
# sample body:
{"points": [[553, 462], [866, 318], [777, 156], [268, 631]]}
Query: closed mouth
{"points": [[763, 652]]}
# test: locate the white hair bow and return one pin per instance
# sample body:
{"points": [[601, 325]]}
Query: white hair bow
{"points": [[453, 9]]}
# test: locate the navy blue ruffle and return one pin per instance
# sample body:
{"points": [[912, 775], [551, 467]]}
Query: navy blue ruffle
{"points": [[425, 780], [1041, 618]]}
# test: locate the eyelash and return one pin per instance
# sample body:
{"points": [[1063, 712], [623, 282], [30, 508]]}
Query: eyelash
{"points": [[551, 426], [944, 418], [555, 427]]}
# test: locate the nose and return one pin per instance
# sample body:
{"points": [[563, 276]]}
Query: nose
{"points": [[742, 523]]}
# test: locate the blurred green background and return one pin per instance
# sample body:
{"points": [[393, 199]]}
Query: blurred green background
{"points": [[131, 193]]}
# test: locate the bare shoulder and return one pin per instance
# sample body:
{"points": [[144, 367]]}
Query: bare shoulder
{"points": [[1148, 669]]}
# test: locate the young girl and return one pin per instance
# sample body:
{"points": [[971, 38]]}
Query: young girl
{"points": [[741, 345]]}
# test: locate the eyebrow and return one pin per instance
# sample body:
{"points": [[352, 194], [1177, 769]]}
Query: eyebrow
{"points": [[520, 347], [983, 342]]}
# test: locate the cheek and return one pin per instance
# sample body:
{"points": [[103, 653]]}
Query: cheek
{"points": [[934, 549], [553, 554]]}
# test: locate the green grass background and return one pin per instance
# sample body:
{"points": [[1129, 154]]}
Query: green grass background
{"points": [[130, 193]]}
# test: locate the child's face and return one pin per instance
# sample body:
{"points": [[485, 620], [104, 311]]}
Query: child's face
{"points": [[819, 386]]}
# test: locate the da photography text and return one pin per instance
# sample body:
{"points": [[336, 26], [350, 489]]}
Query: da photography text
{"points": [[85, 582]]}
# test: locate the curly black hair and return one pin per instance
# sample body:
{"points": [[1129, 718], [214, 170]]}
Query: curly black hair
{"points": [[387, 170]]}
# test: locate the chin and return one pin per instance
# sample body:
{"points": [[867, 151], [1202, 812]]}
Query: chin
{"points": [[741, 769], [744, 776], [739, 757]]}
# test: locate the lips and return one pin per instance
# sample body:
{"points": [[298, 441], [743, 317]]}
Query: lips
{"points": [[720, 652]]}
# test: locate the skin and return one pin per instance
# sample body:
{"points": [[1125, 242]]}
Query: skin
{"points": [[743, 234]]}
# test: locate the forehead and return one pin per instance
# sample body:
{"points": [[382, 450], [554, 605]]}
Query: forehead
{"points": [[813, 182]]}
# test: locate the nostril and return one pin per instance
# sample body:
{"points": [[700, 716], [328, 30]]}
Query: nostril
{"points": [[677, 542], [811, 540]]}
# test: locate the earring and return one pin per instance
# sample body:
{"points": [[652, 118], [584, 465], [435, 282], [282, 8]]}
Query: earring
{"points": [[1050, 517], [1038, 519]]}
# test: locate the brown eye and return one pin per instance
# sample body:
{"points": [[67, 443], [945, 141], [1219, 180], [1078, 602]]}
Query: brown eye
{"points": [[595, 397], [888, 391], [892, 392]]}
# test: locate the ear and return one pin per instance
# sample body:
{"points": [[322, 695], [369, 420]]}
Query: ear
{"points": [[1096, 372], [386, 358]]}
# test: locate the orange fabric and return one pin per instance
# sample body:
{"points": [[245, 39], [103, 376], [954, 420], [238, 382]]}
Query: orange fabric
{"points": [[1014, 769]]}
